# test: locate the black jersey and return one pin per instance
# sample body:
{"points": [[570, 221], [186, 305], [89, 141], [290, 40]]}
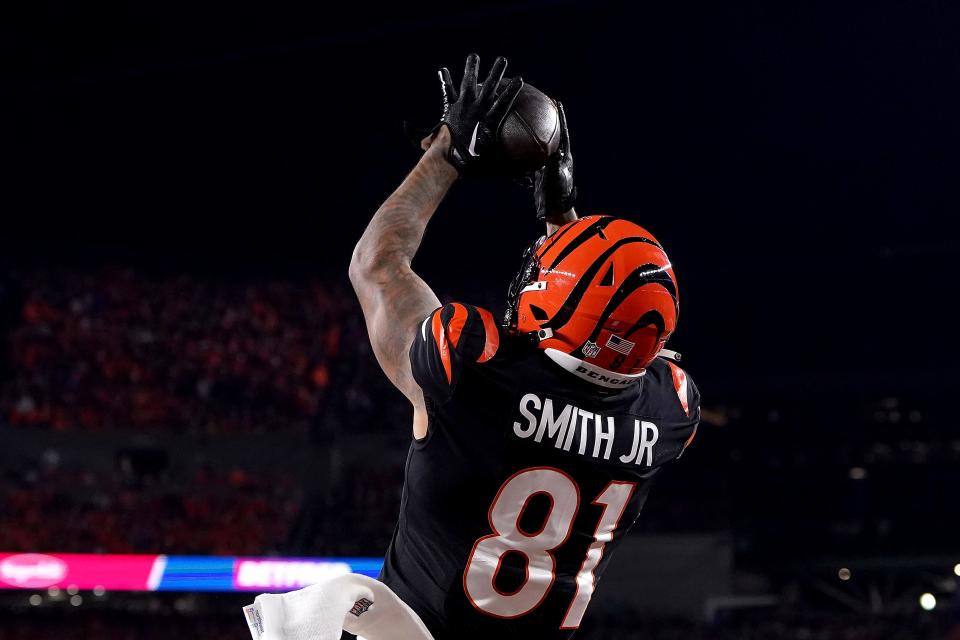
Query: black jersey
{"points": [[526, 482]]}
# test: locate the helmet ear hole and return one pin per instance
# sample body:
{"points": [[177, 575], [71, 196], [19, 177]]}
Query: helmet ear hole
{"points": [[538, 313]]}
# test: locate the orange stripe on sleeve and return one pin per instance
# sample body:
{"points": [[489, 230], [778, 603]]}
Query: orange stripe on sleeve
{"points": [[440, 336], [680, 386], [455, 326], [491, 337]]}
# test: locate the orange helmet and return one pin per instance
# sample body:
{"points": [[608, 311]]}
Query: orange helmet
{"points": [[599, 296]]}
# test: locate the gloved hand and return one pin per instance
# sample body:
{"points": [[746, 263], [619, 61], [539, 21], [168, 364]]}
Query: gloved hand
{"points": [[474, 115], [553, 189]]}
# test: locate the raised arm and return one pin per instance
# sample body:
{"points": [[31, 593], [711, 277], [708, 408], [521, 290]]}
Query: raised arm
{"points": [[393, 297]]}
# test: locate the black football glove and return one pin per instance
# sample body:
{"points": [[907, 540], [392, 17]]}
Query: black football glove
{"points": [[474, 115], [553, 189]]}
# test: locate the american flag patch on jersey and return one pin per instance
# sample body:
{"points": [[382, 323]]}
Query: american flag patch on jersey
{"points": [[620, 345]]}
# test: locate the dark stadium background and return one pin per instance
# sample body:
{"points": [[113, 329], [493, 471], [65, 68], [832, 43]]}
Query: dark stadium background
{"points": [[798, 160]]}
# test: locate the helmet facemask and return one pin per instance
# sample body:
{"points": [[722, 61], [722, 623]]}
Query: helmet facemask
{"points": [[529, 269]]}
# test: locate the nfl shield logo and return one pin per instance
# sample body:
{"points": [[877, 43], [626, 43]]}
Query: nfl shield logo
{"points": [[590, 350]]}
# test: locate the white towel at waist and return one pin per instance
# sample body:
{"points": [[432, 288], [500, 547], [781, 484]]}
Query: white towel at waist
{"points": [[361, 605]]}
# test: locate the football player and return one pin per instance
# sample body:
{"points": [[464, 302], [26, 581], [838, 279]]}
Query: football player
{"points": [[534, 439]]}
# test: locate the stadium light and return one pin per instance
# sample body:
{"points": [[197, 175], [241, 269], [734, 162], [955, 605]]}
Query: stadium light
{"points": [[843, 573], [36, 600], [76, 600], [928, 602], [956, 569]]}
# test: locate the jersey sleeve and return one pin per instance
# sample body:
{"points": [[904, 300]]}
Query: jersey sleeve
{"points": [[452, 337], [689, 398]]}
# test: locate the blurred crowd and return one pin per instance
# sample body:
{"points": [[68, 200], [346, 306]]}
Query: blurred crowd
{"points": [[116, 349], [207, 511], [353, 516], [124, 351]]}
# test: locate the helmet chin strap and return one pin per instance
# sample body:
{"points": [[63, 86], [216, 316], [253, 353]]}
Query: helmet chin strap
{"points": [[669, 354], [591, 372]]}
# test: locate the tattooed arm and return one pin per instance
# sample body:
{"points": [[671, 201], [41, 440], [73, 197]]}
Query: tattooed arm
{"points": [[394, 298]]}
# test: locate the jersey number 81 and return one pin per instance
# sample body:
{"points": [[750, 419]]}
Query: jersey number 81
{"points": [[538, 546]]}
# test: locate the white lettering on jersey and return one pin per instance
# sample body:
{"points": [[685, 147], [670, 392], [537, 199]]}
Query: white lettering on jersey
{"points": [[645, 435], [585, 417], [554, 427], [603, 435], [572, 429], [531, 419]]}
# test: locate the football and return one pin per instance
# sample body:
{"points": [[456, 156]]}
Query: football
{"points": [[530, 132]]}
